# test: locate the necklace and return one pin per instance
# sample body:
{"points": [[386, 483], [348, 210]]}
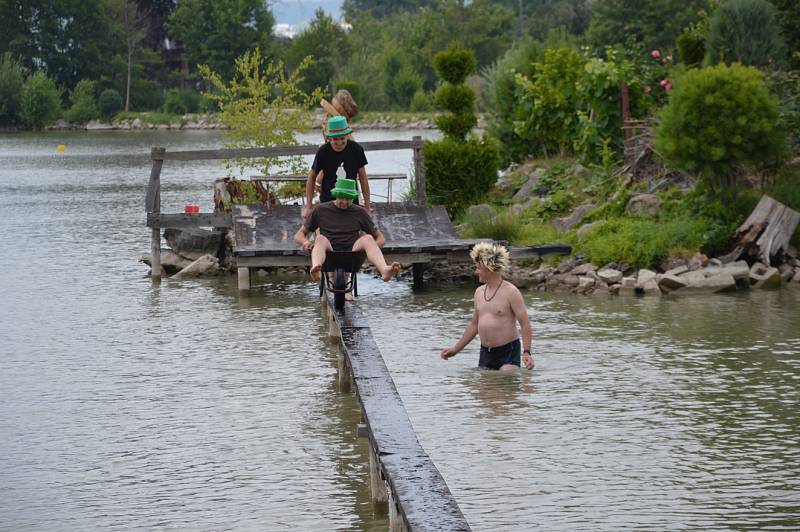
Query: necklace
{"points": [[495, 291]]}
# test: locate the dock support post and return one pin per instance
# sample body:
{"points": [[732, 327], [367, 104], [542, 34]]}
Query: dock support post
{"points": [[377, 485], [419, 170], [417, 268], [344, 372], [244, 278], [333, 329], [152, 204], [396, 523]]}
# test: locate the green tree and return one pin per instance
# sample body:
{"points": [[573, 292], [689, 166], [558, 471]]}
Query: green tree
{"points": [[536, 18], [213, 33], [131, 24], [747, 32], [654, 23], [790, 23], [745, 130], [12, 80], [352, 9], [67, 39], [263, 106], [83, 107], [109, 103], [328, 47], [41, 101]]}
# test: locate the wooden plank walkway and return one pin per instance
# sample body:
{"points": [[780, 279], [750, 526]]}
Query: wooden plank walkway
{"points": [[419, 498]]}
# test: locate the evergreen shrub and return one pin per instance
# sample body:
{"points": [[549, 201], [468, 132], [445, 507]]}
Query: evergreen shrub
{"points": [[83, 108], [747, 32], [41, 101], [691, 48], [454, 65], [456, 125], [455, 98], [109, 103], [11, 82], [719, 119], [174, 103], [421, 102]]}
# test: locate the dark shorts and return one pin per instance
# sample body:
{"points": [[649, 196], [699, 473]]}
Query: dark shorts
{"points": [[497, 357]]}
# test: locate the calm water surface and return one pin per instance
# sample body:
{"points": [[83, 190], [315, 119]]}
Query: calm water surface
{"points": [[184, 406]]}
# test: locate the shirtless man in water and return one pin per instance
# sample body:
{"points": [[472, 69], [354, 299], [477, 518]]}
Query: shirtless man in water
{"points": [[498, 306]]}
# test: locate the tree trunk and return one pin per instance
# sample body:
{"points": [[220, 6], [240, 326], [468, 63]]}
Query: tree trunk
{"points": [[766, 232]]}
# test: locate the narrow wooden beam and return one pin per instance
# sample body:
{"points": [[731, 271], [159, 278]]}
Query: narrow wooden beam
{"points": [[419, 170], [244, 278], [153, 205], [182, 220], [277, 151]]}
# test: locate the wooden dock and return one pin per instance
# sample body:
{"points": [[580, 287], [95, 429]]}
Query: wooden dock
{"points": [[401, 472]]}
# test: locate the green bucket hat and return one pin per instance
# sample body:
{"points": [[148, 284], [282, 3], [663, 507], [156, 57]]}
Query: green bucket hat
{"points": [[345, 188], [337, 127]]}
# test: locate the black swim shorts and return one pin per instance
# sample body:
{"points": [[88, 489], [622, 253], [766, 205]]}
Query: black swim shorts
{"points": [[497, 357]]}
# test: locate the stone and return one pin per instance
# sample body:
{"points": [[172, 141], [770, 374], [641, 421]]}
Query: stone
{"points": [[526, 191], [567, 265], [762, 276], [614, 288], [578, 170], [480, 212], [650, 287], [669, 283], [584, 230], [646, 205], [698, 261], [171, 262], [627, 284], [644, 276], [796, 278], [568, 222], [610, 276], [136, 124], [585, 284], [567, 279], [204, 265], [715, 283], [583, 269], [678, 270], [673, 262], [193, 243]]}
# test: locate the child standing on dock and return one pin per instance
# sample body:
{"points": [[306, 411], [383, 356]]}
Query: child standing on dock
{"points": [[498, 306], [337, 159]]}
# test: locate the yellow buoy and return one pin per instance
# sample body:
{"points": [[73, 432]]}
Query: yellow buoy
{"points": [[60, 148]]}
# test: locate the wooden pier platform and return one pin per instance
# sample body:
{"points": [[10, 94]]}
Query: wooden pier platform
{"points": [[401, 472]]}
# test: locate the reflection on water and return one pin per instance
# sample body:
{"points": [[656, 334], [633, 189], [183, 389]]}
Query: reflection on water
{"points": [[184, 405]]}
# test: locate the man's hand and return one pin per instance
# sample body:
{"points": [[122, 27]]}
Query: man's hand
{"points": [[308, 245], [306, 212], [527, 359], [448, 352]]}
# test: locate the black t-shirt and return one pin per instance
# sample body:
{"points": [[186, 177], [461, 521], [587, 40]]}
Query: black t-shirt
{"points": [[340, 226], [345, 163]]}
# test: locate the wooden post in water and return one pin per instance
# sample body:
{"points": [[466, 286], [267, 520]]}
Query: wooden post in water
{"points": [[152, 204], [244, 278], [419, 170], [377, 486], [344, 371], [396, 523]]}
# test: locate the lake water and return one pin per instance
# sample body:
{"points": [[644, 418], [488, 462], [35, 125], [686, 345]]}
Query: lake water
{"points": [[184, 405]]}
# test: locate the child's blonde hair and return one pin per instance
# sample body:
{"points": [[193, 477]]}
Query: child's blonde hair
{"points": [[491, 256]]}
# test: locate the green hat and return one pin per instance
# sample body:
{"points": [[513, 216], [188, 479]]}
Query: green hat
{"points": [[345, 188], [337, 127]]}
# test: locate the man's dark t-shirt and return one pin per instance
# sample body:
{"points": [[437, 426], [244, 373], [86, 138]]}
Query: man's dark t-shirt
{"points": [[345, 162], [340, 226]]}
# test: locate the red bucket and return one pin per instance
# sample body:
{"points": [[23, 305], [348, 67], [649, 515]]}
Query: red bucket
{"points": [[191, 208]]}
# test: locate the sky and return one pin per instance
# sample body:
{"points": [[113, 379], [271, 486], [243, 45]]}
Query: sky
{"points": [[297, 12]]}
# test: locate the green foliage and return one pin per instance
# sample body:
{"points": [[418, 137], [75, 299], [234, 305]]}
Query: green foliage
{"points": [[404, 85], [109, 103], [747, 32], [691, 48], [654, 24], [459, 173], [41, 101], [719, 119], [263, 106], [785, 84], [213, 32], [455, 64], [421, 102], [179, 102], [455, 98], [502, 226], [456, 126], [83, 108], [789, 17], [353, 87], [11, 81], [328, 47]]}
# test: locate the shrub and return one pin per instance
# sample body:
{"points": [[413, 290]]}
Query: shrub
{"points": [[352, 87], [455, 98], [83, 108], [174, 103], [456, 125], [745, 31], [109, 103], [691, 48], [421, 102], [459, 173], [503, 226], [719, 119], [11, 83], [41, 101], [454, 65], [406, 83]]}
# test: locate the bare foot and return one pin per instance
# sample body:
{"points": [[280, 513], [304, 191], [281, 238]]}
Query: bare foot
{"points": [[391, 270], [315, 272], [349, 297]]}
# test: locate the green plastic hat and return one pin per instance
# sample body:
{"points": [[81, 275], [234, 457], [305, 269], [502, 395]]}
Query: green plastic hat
{"points": [[345, 188], [337, 127]]}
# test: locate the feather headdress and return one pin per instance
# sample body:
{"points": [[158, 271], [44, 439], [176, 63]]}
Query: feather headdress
{"points": [[493, 257]]}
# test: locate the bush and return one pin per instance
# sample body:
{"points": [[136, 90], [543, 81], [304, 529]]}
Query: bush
{"points": [[719, 119], [421, 102], [455, 98], [109, 103], [406, 83], [456, 125], [455, 64], [178, 102], [503, 226], [747, 32], [459, 173], [83, 108], [350, 86], [41, 101], [691, 48], [11, 82]]}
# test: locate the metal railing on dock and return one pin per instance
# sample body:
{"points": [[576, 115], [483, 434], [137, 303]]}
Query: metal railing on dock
{"points": [[401, 472]]}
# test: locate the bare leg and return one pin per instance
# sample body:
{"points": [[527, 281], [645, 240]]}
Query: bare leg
{"points": [[509, 367], [321, 247], [368, 245]]}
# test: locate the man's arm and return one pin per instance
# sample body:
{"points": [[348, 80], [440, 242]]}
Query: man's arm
{"points": [[469, 333], [521, 314], [310, 182], [362, 179], [301, 237]]}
